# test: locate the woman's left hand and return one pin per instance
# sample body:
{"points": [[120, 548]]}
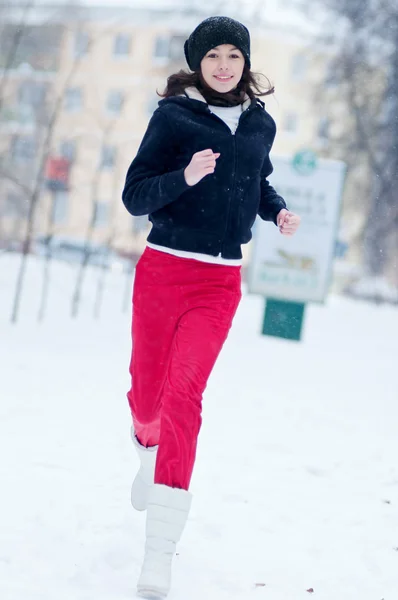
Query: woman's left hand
{"points": [[287, 222]]}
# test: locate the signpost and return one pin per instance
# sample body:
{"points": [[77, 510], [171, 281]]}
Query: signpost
{"points": [[291, 271]]}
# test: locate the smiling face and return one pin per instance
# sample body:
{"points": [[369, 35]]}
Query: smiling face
{"points": [[222, 68]]}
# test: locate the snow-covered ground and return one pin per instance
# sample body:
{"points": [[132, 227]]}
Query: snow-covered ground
{"points": [[296, 482]]}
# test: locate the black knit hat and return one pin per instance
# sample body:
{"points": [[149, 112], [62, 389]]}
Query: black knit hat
{"points": [[213, 32]]}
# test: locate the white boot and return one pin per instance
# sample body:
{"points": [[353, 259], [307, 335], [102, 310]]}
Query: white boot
{"points": [[168, 510], [143, 481]]}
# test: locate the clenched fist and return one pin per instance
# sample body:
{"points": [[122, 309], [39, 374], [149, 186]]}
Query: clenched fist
{"points": [[288, 222], [202, 163]]}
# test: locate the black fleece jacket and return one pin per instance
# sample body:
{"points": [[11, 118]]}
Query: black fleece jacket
{"points": [[216, 215]]}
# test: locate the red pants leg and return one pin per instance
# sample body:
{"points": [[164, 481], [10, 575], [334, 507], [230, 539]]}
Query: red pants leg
{"points": [[197, 343], [154, 322], [181, 322]]}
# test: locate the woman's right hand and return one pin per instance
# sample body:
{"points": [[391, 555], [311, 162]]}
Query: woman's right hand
{"points": [[202, 163]]}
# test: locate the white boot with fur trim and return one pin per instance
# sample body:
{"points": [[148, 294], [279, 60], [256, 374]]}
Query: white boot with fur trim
{"points": [[144, 479], [168, 510]]}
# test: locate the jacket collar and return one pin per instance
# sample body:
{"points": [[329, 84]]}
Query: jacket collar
{"points": [[195, 101]]}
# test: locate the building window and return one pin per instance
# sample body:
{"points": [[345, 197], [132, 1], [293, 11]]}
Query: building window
{"points": [[169, 48], [82, 42], [73, 99], [23, 149], [161, 50], [290, 122], [115, 101], [299, 67], [10, 207], [176, 47], [323, 128], [31, 93], [101, 214], [67, 149], [60, 207], [122, 45], [108, 157], [14, 206]]}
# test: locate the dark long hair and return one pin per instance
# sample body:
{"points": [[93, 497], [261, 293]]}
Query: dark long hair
{"points": [[249, 85]]}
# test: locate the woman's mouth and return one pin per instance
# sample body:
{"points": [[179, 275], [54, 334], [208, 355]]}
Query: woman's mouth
{"points": [[223, 78]]}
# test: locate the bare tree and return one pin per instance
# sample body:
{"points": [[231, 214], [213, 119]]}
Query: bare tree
{"points": [[101, 282], [11, 46], [26, 43], [78, 289], [45, 125], [106, 131], [36, 190], [47, 258], [361, 91], [12, 34]]}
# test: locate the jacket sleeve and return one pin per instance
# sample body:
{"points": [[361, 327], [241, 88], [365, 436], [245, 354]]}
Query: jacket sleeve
{"points": [[270, 203], [150, 182]]}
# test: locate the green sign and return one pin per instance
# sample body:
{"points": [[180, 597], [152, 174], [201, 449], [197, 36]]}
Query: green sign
{"points": [[283, 319], [305, 162]]}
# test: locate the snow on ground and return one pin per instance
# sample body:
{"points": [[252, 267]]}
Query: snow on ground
{"points": [[296, 482]]}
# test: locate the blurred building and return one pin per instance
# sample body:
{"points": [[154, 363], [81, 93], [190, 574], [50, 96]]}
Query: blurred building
{"points": [[97, 81]]}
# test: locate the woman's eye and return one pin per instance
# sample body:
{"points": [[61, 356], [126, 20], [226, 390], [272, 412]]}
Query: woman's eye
{"points": [[214, 55]]}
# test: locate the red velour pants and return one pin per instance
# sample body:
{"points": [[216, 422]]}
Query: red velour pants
{"points": [[182, 312]]}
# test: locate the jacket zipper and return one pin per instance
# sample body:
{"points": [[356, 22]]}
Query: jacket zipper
{"points": [[245, 112], [231, 198]]}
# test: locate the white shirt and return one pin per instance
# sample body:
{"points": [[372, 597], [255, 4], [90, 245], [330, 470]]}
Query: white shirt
{"points": [[229, 114]]}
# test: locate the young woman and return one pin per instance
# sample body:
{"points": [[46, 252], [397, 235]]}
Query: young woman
{"points": [[201, 175]]}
